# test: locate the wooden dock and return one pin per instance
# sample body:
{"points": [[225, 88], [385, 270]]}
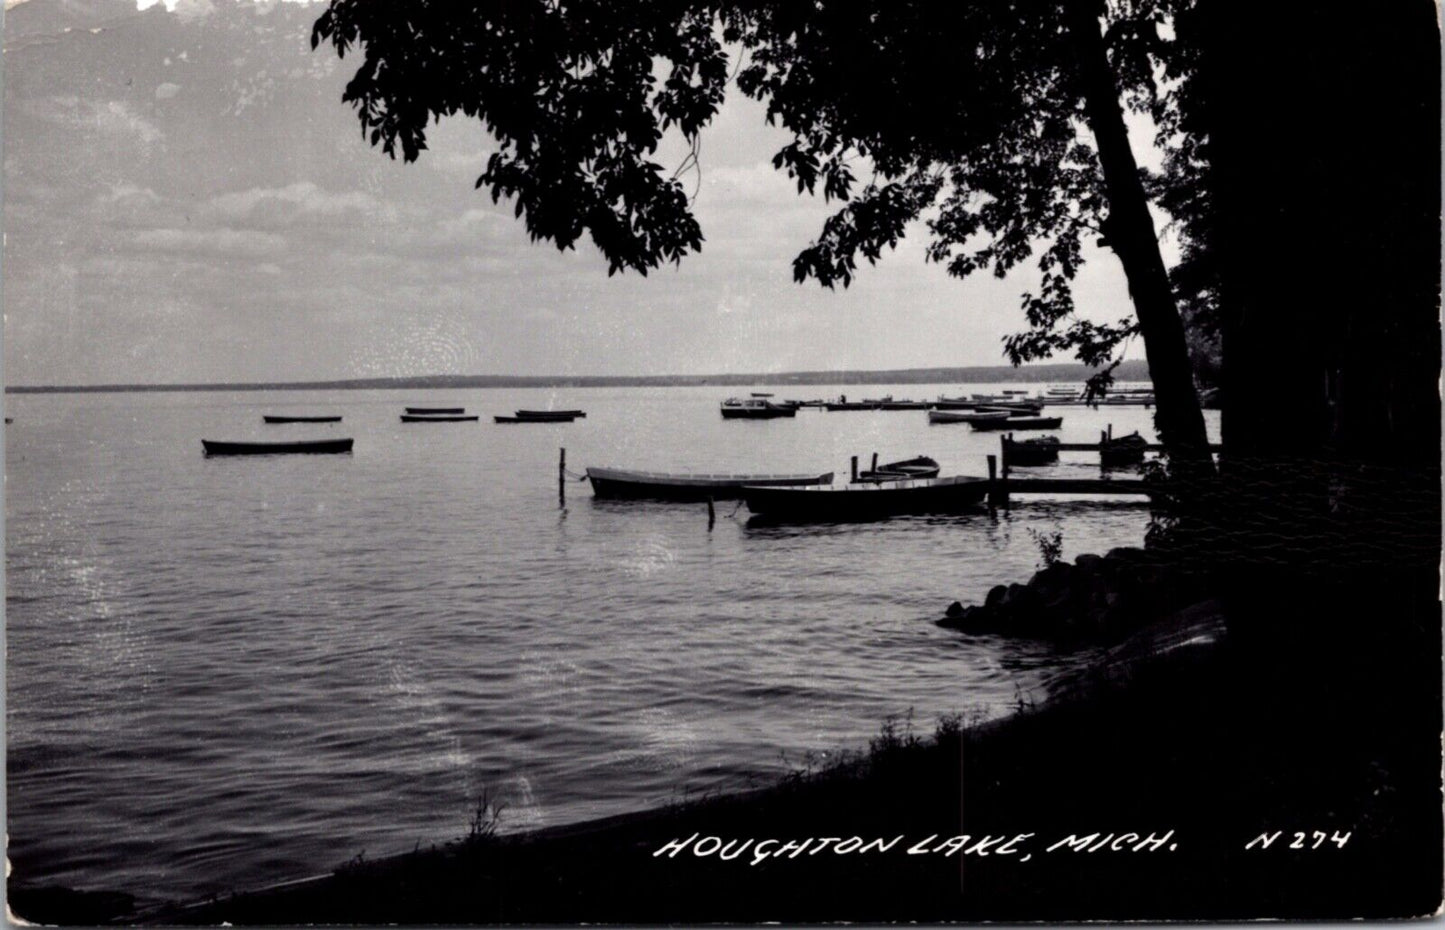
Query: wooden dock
{"points": [[1002, 485]]}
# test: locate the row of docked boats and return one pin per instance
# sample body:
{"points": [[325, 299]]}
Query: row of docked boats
{"points": [[910, 486], [334, 446], [761, 406]]}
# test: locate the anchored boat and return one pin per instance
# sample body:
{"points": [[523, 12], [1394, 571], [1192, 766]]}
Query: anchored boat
{"points": [[217, 447], [865, 501], [1019, 423], [920, 467], [652, 485], [288, 419], [755, 408]]}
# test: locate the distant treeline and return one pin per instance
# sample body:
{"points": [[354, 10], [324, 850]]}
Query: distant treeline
{"points": [[1062, 374]]}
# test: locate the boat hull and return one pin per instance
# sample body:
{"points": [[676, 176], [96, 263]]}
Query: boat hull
{"points": [[283, 419], [500, 419], [311, 447], [619, 484], [867, 501], [434, 410], [951, 416], [758, 413], [551, 414], [1019, 423], [438, 418]]}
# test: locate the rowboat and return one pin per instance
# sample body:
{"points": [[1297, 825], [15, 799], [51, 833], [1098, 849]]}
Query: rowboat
{"points": [[953, 416], [1041, 450], [285, 419], [904, 405], [1123, 451], [1020, 423], [641, 485], [865, 501], [754, 408], [920, 467], [438, 418], [541, 416], [426, 410], [216, 447]]}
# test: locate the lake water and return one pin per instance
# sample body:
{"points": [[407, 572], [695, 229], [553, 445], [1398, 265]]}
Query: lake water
{"points": [[227, 672]]}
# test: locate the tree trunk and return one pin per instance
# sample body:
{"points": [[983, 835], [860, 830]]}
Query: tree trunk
{"points": [[1131, 234]]}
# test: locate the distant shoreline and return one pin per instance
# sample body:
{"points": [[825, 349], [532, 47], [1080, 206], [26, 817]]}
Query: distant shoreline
{"points": [[1136, 370]]}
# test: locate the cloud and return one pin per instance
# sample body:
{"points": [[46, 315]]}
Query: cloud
{"points": [[283, 205], [240, 243], [107, 118]]}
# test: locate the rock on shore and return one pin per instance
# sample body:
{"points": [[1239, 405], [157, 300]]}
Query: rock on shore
{"points": [[1094, 597]]}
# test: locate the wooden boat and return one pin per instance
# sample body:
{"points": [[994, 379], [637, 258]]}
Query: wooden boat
{"points": [[216, 447], [1041, 450], [1017, 409], [920, 467], [519, 418], [438, 418], [1019, 423], [866, 501], [286, 419], [904, 405], [426, 410], [651, 485], [558, 414], [754, 408], [1123, 451], [954, 416]]}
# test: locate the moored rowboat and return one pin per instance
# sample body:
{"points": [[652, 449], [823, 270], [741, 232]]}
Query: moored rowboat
{"points": [[437, 418], [217, 447], [287, 419], [643, 485], [1019, 423], [920, 467], [951, 416], [425, 410], [839, 503]]}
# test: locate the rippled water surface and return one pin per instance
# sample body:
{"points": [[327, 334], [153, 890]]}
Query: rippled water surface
{"points": [[226, 672]]}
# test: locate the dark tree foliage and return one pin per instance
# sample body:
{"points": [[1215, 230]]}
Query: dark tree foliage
{"points": [[998, 124]]}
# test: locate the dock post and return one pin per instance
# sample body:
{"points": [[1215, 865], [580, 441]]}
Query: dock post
{"points": [[1004, 442], [996, 491], [1111, 431], [711, 513], [562, 478], [853, 468], [874, 466]]}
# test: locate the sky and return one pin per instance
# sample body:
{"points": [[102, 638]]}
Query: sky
{"points": [[186, 199]]}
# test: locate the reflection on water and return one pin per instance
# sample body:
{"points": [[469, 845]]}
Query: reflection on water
{"points": [[229, 672]]}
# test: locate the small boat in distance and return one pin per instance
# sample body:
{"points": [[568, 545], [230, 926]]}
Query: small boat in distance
{"points": [[1019, 423], [426, 410], [920, 467], [754, 408], [866, 501], [958, 416], [269, 418], [540, 416], [438, 418], [620, 483], [217, 447]]}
